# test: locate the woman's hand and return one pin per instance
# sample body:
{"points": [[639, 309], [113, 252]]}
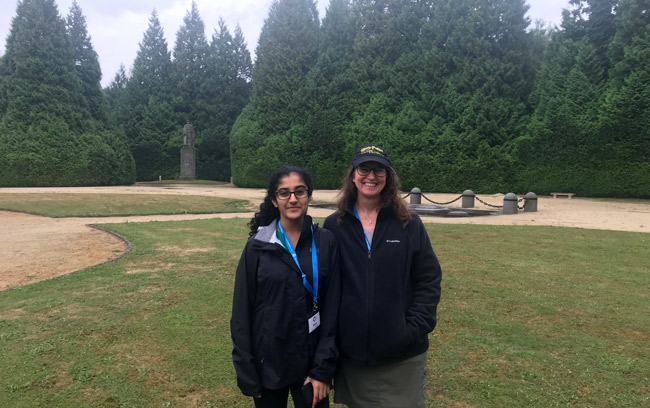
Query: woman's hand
{"points": [[321, 390]]}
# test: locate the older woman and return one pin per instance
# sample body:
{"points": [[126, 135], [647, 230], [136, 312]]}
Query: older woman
{"points": [[390, 289]]}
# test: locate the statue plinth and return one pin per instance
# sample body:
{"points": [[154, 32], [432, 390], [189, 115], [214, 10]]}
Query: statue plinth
{"points": [[188, 163], [188, 154]]}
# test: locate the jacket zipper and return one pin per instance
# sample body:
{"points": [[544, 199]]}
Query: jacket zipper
{"points": [[369, 295], [369, 280]]}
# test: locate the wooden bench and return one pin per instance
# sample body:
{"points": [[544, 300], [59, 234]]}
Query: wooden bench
{"points": [[556, 195]]}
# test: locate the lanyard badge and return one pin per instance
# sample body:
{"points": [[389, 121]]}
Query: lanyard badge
{"points": [[314, 264], [356, 214]]}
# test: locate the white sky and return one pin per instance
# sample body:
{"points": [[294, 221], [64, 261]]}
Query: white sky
{"points": [[116, 27]]}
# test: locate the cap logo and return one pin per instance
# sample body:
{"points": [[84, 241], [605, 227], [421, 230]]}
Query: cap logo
{"points": [[372, 150]]}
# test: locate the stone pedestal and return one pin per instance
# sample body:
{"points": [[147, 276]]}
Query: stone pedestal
{"points": [[416, 195], [530, 202], [510, 203], [468, 199], [188, 163]]}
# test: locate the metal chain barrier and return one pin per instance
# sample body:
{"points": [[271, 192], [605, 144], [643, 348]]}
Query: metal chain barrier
{"points": [[433, 202], [489, 205], [520, 200], [475, 196]]}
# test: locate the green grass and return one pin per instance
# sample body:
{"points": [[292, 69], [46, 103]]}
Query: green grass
{"points": [[99, 205], [530, 317]]}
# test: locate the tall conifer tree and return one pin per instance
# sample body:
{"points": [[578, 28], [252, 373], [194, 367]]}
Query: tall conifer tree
{"points": [[189, 65], [152, 129], [287, 49], [86, 62], [46, 135], [39, 67], [116, 98], [331, 96], [625, 136], [224, 93], [269, 131]]}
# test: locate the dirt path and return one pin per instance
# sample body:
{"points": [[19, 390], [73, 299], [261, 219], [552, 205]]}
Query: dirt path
{"points": [[34, 248]]}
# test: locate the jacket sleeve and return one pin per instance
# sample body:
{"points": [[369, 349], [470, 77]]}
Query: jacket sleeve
{"points": [[327, 354], [241, 322], [425, 278]]}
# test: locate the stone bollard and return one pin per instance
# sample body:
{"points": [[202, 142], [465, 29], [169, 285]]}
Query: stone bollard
{"points": [[416, 195], [510, 203], [530, 202], [468, 199]]}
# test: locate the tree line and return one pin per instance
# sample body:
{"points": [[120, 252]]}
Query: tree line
{"points": [[464, 94]]}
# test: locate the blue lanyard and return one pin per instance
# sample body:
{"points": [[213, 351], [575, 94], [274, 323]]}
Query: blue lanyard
{"points": [[356, 214], [314, 263]]}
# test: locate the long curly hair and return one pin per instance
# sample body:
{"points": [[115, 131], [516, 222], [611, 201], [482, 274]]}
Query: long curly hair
{"points": [[268, 212], [390, 196]]}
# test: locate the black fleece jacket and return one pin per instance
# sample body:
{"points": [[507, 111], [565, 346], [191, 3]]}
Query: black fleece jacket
{"points": [[272, 344], [389, 295]]}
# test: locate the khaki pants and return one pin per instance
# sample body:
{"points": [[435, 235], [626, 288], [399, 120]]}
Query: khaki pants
{"points": [[397, 385]]}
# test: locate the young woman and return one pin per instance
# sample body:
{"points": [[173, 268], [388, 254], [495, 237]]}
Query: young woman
{"points": [[390, 289], [286, 298]]}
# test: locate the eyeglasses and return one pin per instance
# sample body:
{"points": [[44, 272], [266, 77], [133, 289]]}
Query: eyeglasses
{"points": [[379, 171], [286, 194]]}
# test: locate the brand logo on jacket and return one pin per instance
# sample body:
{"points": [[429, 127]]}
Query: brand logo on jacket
{"points": [[392, 241]]}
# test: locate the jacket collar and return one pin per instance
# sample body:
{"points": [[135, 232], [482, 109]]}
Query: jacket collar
{"points": [[267, 233], [349, 208]]}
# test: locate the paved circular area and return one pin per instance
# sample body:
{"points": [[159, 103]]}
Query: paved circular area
{"points": [[34, 248]]}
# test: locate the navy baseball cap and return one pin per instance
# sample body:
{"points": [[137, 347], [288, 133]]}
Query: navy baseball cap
{"points": [[369, 153]]}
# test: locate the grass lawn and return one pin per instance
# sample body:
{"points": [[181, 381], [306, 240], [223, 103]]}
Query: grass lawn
{"points": [[530, 317], [99, 205]]}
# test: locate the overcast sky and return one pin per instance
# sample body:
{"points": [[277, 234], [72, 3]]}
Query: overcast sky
{"points": [[116, 27]]}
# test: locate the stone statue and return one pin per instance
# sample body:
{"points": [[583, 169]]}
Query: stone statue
{"points": [[188, 135], [188, 154]]}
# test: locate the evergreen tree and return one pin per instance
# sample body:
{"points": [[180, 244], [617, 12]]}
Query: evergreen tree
{"points": [[462, 94], [4, 77], [242, 74], [625, 116], [331, 96], [46, 135], [225, 93], [270, 131], [151, 72], [287, 49], [86, 62], [189, 65], [116, 98], [39, 68], [592, 20], [149, 94]]}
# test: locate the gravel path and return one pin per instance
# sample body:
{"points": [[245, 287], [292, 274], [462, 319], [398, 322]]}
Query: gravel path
{"points": [[34, 248]]}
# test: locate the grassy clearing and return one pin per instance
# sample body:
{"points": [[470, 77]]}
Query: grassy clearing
{"points": [[530, 316], [99, 205]]}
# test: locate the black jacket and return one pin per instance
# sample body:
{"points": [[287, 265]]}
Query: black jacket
{"points": [[272, 344], [389, 296]]}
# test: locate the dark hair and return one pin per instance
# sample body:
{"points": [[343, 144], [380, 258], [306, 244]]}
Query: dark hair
{"points": [[390, 196], [268, 212]]}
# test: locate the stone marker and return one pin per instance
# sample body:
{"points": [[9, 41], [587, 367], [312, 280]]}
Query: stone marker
{"points": [[188, 154], [468, 199], [530, 202], [510, 203], [416, 195]]}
